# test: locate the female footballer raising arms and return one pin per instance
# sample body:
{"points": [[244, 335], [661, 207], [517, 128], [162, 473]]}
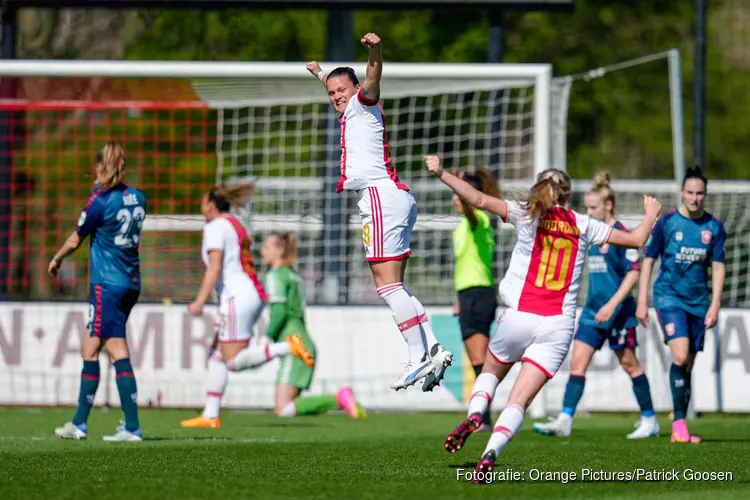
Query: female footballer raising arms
{"points": [[387, 209], [540, 290], [607, 316], [689, 241]]}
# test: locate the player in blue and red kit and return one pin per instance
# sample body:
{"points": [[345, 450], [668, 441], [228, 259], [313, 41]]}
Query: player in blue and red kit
{"points": [[112, 218], [689, 241], [609, 315]]}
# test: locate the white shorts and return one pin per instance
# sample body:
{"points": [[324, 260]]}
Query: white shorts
{"points": [[543, 341], [237, 316], [388, 217]]}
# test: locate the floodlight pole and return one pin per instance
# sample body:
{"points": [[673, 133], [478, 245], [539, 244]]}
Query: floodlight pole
{"points": [[9, 20]]}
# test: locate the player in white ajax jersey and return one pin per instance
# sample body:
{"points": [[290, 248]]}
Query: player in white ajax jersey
{"points": [[540, 290], [230, 270], [387, 209]]}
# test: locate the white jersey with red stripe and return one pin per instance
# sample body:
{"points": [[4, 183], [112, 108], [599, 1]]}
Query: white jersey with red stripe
{"points": [[238, 275], [365, 157], [547, 262]]}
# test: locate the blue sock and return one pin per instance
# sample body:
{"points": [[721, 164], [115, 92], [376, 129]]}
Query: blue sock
{"points": [[688, 388], [678, 384], [128, 393], [87, 393], [643, 395], [573, 394]]}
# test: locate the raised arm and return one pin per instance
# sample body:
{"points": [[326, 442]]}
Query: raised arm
{"points": [[371, 86], [314, 68], [640, 235], [465, 191]]}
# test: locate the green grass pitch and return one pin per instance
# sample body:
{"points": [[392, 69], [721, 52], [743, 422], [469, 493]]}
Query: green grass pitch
{"points": [[389, 455]]}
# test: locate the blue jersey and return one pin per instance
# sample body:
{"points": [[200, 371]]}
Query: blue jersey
{"points": [[608, 266], [686, 247], [113, 219]]}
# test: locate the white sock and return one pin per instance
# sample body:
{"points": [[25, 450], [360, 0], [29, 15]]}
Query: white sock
{"points": [[508, 423], [429, 335], [289, 410], [216, 382], [406, 317], [254, 355], [482, 393]]}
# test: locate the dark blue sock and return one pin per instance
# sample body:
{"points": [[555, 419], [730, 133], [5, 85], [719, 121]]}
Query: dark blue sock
{"points": [[643, 395], [678, 385], [573, 393], [688, 388], [128, 393], [87, 393]]}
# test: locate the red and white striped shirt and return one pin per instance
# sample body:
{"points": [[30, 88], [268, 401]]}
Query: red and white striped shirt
{"points": [[365, 157], [238, 274], [547, 262]]}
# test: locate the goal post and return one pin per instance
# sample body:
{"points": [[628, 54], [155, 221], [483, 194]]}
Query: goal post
{"points": [[185, 124]]}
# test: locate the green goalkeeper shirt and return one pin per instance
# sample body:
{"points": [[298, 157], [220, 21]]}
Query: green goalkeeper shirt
{"points": [[286, 299]]}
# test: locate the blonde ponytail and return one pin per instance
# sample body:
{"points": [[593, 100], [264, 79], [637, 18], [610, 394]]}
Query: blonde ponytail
{"points": [[603, 189], [112, 159], [553, 188]]}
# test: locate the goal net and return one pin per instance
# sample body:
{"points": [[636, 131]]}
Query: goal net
{"points": [[186, 126]]}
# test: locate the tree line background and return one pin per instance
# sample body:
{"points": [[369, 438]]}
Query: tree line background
{"points": [[598, 33]]}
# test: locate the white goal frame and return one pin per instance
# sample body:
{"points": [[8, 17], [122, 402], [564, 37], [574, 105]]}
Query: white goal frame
{"points": [[537, 75]]}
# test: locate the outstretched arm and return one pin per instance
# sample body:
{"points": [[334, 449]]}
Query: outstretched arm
{"points": [[466, 191], [639, 236], [371, 87]]}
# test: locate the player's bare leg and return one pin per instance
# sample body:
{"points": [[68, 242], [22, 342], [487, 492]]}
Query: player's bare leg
{"points": [[482, 394], [647, 426], [77, 428], [530, 381], [679, 379], [216, 383], [412, 322], [562, 425]]}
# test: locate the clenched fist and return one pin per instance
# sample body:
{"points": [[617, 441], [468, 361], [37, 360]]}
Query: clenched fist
{"points": [[433, 164], [313, 67], [371, 40]]}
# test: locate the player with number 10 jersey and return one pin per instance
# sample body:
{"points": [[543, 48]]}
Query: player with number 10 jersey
{"points": [[540, 290]]}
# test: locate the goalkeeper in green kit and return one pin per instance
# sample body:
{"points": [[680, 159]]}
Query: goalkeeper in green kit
{"points": [[286, 299]]}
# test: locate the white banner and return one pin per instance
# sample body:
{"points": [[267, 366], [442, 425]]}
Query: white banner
{"points": [[357, 346]]}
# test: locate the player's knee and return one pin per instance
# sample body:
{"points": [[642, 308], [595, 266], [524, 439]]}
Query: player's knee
{"points": [[631, 366], [679, 358]]}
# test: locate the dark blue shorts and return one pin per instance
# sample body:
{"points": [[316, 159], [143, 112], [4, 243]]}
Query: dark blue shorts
{"points": [[109, 308], [618, 339], [676, 323]]}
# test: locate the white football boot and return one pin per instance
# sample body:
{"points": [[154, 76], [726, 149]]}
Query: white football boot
{"points": [[441, 358], [414, 371], [70, 431], [560, 426], [646, 427], [122, 434]]}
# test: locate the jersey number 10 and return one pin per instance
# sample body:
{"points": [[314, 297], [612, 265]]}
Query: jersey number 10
{"points": [[129, 234], [551, 249]]}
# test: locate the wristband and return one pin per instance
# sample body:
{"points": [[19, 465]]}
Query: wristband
{"points": [[320, 75]]}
